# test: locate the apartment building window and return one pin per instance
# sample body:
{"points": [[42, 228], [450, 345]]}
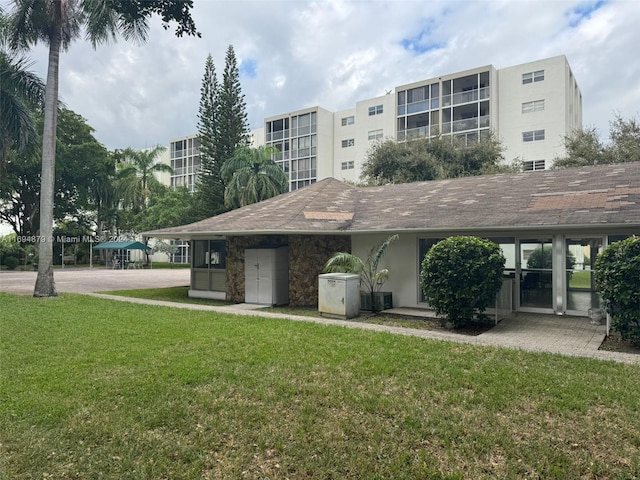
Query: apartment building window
{"points": [[303, 124], [348, 120], [530, 77], [376, 110], [347, 165], [348, 143], [535, 106], [375, 134], [179, 148], [533, 136]]}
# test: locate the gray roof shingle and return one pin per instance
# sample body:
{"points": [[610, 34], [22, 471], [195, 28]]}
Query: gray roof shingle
{"points": [[586, 196]]}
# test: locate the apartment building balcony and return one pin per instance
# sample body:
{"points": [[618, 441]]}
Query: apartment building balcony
{"points": [[303, 174], [465, 97], [277, 135], [185, 152], [466, 124], [303, 130], [304, 152], [280, 156], [417, 107], [418, 132]]}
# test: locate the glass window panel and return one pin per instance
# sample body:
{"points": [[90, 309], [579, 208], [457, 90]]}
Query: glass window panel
{"points": [[536, 288]]}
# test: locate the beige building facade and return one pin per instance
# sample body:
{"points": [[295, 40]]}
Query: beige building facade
{"points": [[530, 107]]}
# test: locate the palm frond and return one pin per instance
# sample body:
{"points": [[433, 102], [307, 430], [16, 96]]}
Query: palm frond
{"points": [[344, 262]]}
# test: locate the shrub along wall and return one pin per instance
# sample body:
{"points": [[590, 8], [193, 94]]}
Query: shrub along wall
{"points": [[307, 256]]}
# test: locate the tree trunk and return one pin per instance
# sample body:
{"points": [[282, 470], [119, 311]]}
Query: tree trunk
{"points": [[45, 285]]}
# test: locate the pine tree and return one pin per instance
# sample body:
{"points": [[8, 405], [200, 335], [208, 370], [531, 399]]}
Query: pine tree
{"points": [[222, 128], [210, 187], [233, 126]]}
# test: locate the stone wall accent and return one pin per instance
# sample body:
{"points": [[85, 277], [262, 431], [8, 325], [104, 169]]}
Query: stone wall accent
{"points": [[307, 256]]}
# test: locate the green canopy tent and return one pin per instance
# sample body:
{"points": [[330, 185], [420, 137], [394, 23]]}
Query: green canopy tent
{"points": [[120, 247]]}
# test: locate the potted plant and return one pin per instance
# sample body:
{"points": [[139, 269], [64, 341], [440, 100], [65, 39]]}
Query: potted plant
{"points": [[371, 279]]}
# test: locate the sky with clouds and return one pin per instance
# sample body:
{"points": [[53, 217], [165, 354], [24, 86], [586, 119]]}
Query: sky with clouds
{"points": [[294, 54]]}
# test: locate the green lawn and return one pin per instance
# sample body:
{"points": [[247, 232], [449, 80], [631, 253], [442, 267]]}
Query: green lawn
{"points": [[180, 295], [92, 388], [167, 294]]}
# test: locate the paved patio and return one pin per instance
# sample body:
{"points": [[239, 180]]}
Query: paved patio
{"points": [[566, 335]]}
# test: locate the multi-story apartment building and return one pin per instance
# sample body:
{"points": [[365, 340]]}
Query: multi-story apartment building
{"points": [[529, 107], [302, 138]]}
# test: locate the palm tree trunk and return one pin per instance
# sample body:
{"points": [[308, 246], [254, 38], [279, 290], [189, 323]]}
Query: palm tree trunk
{"points": [[45, 285]]}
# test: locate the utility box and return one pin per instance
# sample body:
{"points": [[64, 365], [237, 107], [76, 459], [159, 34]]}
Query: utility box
{"points": [[266, 276], [339, 294]]}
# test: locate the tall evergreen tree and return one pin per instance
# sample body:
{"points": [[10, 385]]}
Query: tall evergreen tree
{"points": [[233, 126], [223, 128], [210, 187]]}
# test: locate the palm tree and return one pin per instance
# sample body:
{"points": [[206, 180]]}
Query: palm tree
{"points": [[135, 175], [57, 23], [371, 279], [21, 94], [252, 176]]}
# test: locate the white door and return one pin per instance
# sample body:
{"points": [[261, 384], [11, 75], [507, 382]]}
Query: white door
{"points": [[251, 276], [258, 276]]}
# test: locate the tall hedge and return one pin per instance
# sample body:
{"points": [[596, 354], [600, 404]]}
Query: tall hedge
{"points": [[461, 276], [618, 281]]}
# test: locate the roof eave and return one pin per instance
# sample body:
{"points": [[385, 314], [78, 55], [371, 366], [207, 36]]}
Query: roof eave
{"points": [[484, 228]]}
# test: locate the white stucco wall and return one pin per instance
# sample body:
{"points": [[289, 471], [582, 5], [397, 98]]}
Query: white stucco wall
{"points": [[401, 259], [562, 110]]}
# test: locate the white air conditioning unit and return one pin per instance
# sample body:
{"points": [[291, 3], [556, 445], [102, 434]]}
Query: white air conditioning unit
{"points": [[339, 294]]}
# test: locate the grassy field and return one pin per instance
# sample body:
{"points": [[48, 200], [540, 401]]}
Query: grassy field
{"points": [[168, 294], [91, 388], [180, 295]]}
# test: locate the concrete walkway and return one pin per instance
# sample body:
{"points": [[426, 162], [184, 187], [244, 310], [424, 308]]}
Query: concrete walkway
{"points": [[572, 336], [564, 335]]}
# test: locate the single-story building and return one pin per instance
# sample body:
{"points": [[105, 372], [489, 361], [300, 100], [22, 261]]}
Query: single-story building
{"points": [[550, 225]]}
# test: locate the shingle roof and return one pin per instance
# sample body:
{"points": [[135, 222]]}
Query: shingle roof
{"points": [[587, 196]]}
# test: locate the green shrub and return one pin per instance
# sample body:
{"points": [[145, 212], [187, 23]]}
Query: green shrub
{"points": [[11, 262], [10, 247], [461, 276], [618, 281]]}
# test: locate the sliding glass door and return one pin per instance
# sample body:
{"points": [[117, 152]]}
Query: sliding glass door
{"points": [[581, 295], [536, 273]]}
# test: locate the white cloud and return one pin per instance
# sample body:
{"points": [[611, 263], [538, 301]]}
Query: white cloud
{"points": [[335, 53]]}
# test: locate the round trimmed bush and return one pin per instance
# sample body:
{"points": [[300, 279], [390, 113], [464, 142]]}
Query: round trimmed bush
{"points": [[461, 276], [618, 281], [11, 262]]}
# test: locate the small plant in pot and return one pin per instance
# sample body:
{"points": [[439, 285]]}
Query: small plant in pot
{"points": [[371, 278]]}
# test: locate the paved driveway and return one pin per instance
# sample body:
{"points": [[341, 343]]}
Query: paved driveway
{"points": [[80, 280]]}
